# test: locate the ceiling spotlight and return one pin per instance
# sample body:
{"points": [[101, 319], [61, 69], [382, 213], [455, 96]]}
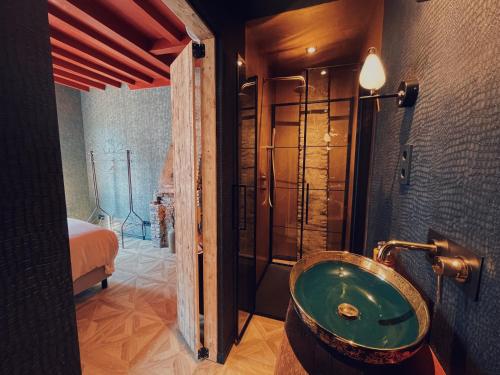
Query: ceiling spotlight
{"points": [[310, 50], [323, 72]]}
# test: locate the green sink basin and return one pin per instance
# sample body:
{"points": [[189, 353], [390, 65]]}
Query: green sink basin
{"points": [[358, 307]]}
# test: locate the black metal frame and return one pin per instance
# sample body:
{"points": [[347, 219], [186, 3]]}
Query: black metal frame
{"points": [[347, 172], [364, 135], [305, 186], [304, 158], [239, 334], [96, 192], [131, 203]]}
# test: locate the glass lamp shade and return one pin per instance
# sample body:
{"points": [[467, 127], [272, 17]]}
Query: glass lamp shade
{"points": [[372, 76]]}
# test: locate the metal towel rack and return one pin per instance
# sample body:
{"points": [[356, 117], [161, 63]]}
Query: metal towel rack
{"points": [[131, 203], [98, 207]]}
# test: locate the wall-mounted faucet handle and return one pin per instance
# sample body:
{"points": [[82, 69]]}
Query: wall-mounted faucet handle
{"points": [[455, 267]]}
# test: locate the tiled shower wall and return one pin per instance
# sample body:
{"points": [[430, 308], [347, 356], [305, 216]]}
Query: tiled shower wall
{"points": [[452, 47], [316, 173]]}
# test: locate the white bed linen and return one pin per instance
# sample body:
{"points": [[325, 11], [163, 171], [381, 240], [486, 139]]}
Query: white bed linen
{"points": [[91, 247]]}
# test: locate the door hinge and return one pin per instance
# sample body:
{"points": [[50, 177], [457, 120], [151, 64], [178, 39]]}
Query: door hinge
{"points": [[203, 353], [198, 50]]}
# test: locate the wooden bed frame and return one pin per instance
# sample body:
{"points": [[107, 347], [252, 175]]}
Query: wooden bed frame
{"points": [[84, 282]]}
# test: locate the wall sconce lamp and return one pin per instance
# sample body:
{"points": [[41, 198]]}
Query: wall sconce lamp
{"points": [[372, 77]]}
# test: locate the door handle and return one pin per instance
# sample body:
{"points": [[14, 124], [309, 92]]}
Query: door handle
{"points": [[307, 203], [244, 227]]}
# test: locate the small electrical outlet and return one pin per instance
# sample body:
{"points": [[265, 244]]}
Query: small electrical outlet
{"points": [[405, 164]]}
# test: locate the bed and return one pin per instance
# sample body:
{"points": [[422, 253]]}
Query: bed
{"points": [[93, 251]]}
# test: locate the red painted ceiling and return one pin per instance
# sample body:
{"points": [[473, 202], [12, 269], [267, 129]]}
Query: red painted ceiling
{"points": [[110, 42]]}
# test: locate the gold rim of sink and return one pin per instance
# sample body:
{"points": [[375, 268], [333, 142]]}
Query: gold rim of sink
{"points": [[350, 348]]}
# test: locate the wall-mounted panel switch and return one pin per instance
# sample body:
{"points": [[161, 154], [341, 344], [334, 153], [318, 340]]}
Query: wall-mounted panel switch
{"points": [[405, 164]]}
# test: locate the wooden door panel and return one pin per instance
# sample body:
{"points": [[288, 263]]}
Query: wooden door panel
{"points": [[186, 237]]}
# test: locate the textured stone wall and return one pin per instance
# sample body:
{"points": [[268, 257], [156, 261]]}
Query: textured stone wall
{"points": [[452, 47], [69, 117], [316, 175], [119, 119]]}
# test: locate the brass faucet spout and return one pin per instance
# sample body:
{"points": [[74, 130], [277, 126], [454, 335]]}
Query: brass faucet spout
{"points": [[384, 248]]}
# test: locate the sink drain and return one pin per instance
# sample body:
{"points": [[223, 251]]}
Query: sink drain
{"points": [[348, 311]]}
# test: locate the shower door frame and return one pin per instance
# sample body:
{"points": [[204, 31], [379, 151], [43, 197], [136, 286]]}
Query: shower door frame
{"points": [[236, 207], [303, 204]]}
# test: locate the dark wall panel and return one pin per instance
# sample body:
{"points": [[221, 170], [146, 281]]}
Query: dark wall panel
{"points": [[452, 47], [37, 315]]}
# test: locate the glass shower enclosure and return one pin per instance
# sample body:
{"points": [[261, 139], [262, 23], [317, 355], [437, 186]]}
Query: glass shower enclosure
{"points": [[310, 163], [245, 191]]}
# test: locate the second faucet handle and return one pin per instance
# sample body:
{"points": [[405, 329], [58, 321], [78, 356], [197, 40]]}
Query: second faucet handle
{"points": [[455, 267]]}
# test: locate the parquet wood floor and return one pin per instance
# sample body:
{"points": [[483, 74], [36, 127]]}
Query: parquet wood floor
{"points": [[131, 328]]}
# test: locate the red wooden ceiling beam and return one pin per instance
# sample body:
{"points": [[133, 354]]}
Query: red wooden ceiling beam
{"points": [[71, 25], [71, 84], [163, 26], [102, 19], [165, 47], [107, 23], [167, 59], [76, 78], [87, 64], [85, 73], [160, 82], [57, 37]]}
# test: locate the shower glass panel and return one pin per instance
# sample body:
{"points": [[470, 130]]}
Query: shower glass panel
{"points": [[246, 191], [285, 182], [312, 124]]}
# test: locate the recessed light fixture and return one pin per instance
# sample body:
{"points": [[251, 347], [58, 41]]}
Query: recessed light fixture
{"points": [[239, 62], [310, 50], [323, 72]]}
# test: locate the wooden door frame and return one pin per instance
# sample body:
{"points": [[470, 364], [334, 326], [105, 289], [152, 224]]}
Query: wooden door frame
{"points": [[183, 10]]}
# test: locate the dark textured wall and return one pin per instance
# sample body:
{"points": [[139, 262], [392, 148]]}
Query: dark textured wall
{"points": [[37, 314], [452, 47], [76, 187], [115, 120]]}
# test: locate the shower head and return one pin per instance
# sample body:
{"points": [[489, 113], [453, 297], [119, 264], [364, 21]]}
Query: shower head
{"points": [[301, 89], [288, 78], [245, 86]]}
